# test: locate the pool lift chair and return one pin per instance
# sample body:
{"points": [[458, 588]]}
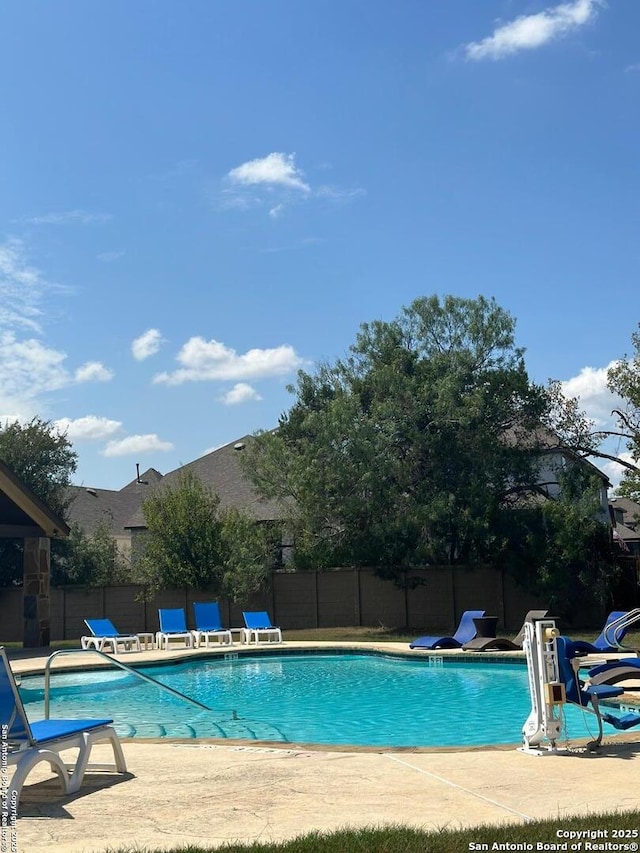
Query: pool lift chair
{"points": [[26, 744], [104, 634], [553, 681]]}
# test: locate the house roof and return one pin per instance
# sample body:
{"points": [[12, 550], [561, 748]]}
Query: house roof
{"points": [[91, 506], [22, 513], [221, 471], [548, 443], [630, 511], [627, 534]]}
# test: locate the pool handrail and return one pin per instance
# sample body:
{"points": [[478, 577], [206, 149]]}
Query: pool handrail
{"points": [[625, 621], [130, 669]]}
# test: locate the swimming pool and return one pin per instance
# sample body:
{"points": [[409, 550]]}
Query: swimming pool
{"points": [[332, 699]]}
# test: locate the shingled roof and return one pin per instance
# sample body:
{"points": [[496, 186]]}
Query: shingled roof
{"points": [[221, 471], [91, 506]]}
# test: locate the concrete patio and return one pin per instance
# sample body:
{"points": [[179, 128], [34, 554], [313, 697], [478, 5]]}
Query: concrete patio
{"points": [[181, 792]]}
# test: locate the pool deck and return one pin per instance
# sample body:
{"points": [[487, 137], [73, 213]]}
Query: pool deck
{"points": [[208, 793]]}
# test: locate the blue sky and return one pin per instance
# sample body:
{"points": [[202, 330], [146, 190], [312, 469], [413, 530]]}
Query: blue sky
{"points": [[197, 199]]}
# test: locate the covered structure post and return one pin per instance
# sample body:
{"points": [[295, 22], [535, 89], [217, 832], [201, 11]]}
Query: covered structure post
{"points": [[36, 604], [24, 516]]}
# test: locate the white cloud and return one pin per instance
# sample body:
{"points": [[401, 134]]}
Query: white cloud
{"points": [[110, 257], [339, 193], [93, 371], [590, 387], [21, 288], [211, 360], [275, 169], [146, 345], [614, 471], [137, 444], [531, 31], [29, 369], [275, 182], [240, 393], [68, 217], [89, 428]]}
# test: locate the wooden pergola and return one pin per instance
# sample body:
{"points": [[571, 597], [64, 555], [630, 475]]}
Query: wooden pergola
{"points": [[24, 516]]}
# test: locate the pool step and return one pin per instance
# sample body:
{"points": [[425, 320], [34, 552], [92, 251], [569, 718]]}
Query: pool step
{"points": [[235, 729]]}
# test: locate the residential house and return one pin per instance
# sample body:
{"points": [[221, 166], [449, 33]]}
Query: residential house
{"points": [[221, 471], [626, 520], [122, 511]]}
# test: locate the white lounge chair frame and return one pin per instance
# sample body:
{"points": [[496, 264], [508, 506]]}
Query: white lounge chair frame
{"points": [[164, 637], [101, 641], [25, 750], [271, 633], [222, 635]]}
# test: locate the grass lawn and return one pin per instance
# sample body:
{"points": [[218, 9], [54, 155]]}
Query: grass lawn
{"points": [[404, 635], [381, 634], [619, 829]]}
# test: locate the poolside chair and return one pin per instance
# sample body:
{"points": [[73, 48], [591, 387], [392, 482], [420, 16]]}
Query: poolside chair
{"points": [[104, 633], [173, 626], [614, 671], [609, 638], [466, 631], [257, 622], [30, 743], [588, 696], [209, 624], [486, 644]]}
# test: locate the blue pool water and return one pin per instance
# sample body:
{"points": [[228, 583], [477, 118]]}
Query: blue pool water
{"points": [[333, 699]]}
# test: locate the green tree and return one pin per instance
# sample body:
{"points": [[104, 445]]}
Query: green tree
{"points": [[44, 460], [630, 486], [90, 559], [191, 542], [570, 549], [42, 457], [412, 449]]}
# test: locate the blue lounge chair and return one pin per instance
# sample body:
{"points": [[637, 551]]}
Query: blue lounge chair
{"points": [[173, 626], [609, 638], [465, 632], [588, 696], [30, 743], [257, 622], [104, 633], [209, 624], [614, 671]]}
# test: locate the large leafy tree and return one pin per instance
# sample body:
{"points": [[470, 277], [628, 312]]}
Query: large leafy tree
{"points": [[412, 449], [90, 559], [44, 460], [42, 457], [630, 486], [191, 542]]}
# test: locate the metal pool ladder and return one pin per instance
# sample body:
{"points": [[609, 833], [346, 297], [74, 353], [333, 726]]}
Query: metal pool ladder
{"points": [[124, 666]]}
